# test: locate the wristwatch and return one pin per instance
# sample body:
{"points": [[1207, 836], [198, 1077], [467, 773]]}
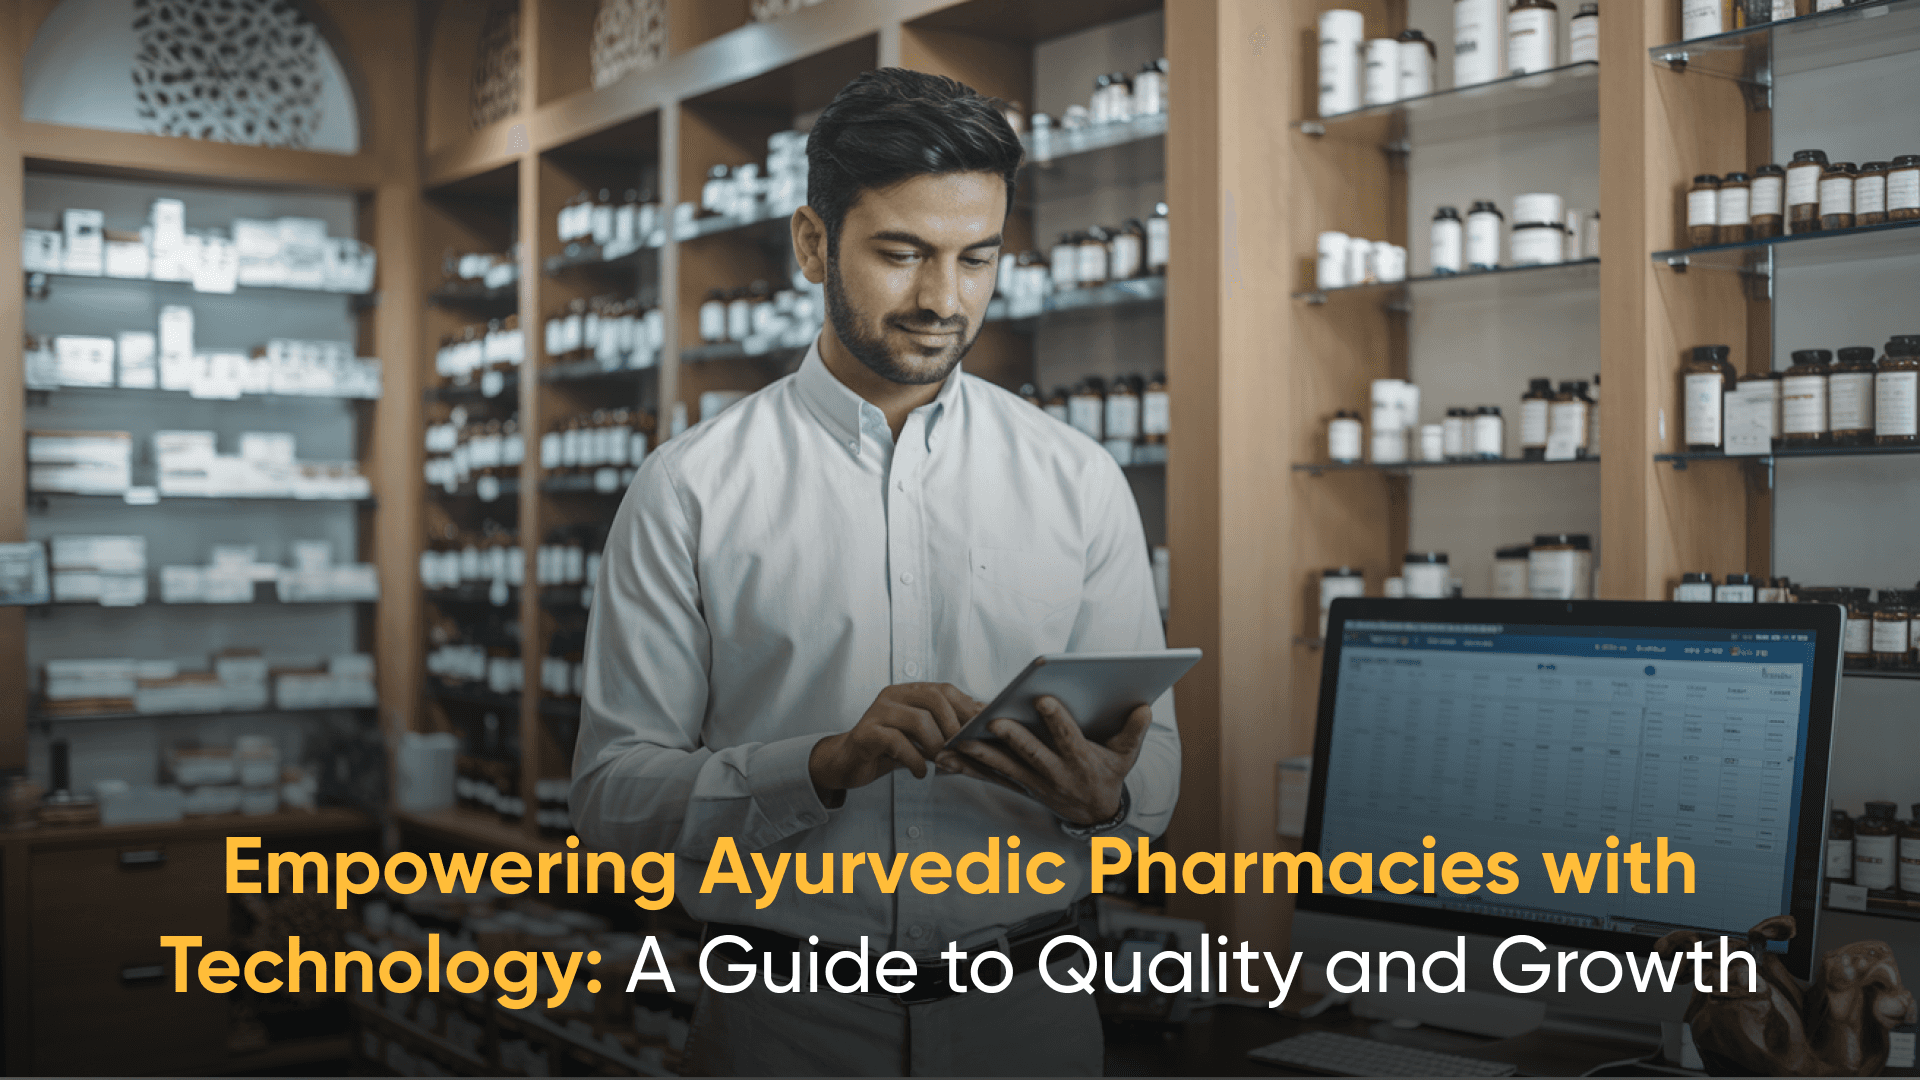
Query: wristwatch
{"points": [[1081, 832]]}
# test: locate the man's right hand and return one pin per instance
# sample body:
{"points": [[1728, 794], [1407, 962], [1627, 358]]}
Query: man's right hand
{"points": [[905, 727]]}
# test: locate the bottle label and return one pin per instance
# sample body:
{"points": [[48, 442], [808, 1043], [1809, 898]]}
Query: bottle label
{"points": [[1156, 242], [1343, 440], [1850, 401], [1476, 41], [1510, 579], [1840, 859], [1873, 861], [1583, 40], [1870, 195], [1416, 70], [1703, 207], [1859, 637], [1803, 185], [1903, 189], [1910, 863], [1083, 412], [1489, 436], [1554, 575], [1483, 240], [1533, 423], [1890, 635], [1782, 9], [1733, 205], [1803, 404], [1531, 40], [1123, 417], [1700, 18], [1704, 409], [1895, 397], [1566, 427], [1534, 246], [1448, 256], [1836, 195], [1155, 412], [1765, 198]]}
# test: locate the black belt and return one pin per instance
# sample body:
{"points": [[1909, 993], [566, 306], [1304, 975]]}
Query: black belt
{"points": [[1024, 943]]}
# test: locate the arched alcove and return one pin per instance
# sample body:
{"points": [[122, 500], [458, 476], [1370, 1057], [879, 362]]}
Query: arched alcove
{"points": [[250, 72]]}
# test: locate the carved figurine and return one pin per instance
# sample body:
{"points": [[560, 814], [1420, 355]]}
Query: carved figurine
{"points": [[1836, 1027]]}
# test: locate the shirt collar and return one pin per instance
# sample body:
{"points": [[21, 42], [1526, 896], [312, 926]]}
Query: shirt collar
{"points": [[840, 409]]}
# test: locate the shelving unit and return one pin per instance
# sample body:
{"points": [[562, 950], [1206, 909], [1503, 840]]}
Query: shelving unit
{"points": [[1318, 468]]}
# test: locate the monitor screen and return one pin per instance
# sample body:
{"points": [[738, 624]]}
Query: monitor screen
{"points": [[1509, 726]]}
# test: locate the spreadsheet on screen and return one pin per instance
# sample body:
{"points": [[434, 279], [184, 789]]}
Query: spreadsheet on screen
{"points": [[1530, 739]]}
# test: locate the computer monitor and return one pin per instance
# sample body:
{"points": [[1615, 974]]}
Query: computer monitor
{"points": [[1531, 726]]}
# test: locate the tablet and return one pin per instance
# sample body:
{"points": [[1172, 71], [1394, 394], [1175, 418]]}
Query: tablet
{"points": [[1099, 690]]}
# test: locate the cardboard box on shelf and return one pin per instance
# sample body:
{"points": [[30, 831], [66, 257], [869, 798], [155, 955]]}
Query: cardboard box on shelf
{"points": [[176, 347], [41, 363], [78, 680], [23, 574], [303, 253], [84, 360], [126, 255], [139, 359], [42, 251], [83, 233], [257, 245], [80, 462], [113, 554], [167, 240]]}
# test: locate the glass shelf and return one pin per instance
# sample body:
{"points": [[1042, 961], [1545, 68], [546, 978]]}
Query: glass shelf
{"points": [[1117, 294], [472, 296], [46, 719], [40, 500], [578, 484], [590, 369], [1681, 460], [739, 350], [474, 595], [1506, 280], [1759, 54], [41, 396], [1555, 98], [1317, 468], [1086, 159], [40, 282], [593, 257], [774, 226], [1761, 258]]}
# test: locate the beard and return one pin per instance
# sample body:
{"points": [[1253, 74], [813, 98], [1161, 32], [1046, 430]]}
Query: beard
{"points": [[865, 337]]}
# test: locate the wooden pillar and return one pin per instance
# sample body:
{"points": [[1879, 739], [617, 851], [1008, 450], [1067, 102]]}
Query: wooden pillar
{"points": [[13, 443]]}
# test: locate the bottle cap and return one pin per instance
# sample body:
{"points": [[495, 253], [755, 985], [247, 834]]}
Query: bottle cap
{"points": [[1813, 356], [1769, 170], [1875, 166], [1512, 551], [1484, 206], [1412, 35], [1577, 541], [1881, 808], [1840, 167], [1446, 213], [1696, 579], [1856, 355], [1802, 157], [1707, 178], [1539, 385], [1734, 178], [1426, 557], [1342, 572], [1744, 579]]}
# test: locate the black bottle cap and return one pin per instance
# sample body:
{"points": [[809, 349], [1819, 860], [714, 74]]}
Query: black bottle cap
{"points": [[1801, 157], [1707, 178], [1578, 541], [1769, 170], [1744, 579], [1711, 354], [1813, 356], [1412, 35], [1429, 557], [1840, 167], [1906, 159], [1489, 410], [1856, 355], [1446, 212], [1484, 206], [1512, 551], [1696, 579], [1539, 384], [1875, 166], [1734, 178], [1569, 388], [1342, 571]]}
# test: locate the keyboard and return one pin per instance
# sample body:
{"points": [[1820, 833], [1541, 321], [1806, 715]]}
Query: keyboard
{"points": [[1348, 1055]]}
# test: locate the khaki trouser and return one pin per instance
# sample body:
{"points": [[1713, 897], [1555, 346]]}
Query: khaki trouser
{"points": [[1028, 1029]]}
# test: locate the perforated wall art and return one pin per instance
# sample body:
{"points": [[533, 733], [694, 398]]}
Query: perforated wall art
{"points": [[628, 36], [236, 71], [496, 70]]}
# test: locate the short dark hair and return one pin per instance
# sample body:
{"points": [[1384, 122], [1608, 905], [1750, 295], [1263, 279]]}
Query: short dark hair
{"points": [[893, 124]]}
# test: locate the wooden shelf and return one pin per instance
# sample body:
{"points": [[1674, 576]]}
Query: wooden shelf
{"points": [[1320, 468]]}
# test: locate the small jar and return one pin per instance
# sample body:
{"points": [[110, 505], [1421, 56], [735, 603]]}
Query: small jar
{"points": [[1540, 244], [1426, 575], [1803, 190], [1706, 378], [1735, 208], [1568, 418], [1533, 419], [1703, 211], [713, 317], [1856, 648], [1903, 188], [1560, 567], [1839, 846], [1156, 411], [1448, 247], [1694, 589], [1159, 248], [1064, 258], [1737, 589], [1127, 251], [1779, 591], [1870, 194], [1416, 58], [1512, 572], [1533, 36], [1910, 853], [1483, 236], [1702, 18], [1093, 257], [1874, 858], [1489, 433], [1766, 202], [1803, 399], [1891, 633], [1896, 394], [1345, 438], [1336, 583], [1767, 385], [1850, 392], [1836, 196], [1456, 434], [1433, 442]]}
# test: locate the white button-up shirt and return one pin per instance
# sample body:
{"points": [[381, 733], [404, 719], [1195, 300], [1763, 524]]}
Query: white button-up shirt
{"points": [[772, 569]]}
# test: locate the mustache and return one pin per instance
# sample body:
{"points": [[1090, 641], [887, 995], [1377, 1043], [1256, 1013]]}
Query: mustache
{"points": [[955, 325]]}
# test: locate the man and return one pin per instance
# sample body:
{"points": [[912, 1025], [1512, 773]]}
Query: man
{"points": [[800, 599]]}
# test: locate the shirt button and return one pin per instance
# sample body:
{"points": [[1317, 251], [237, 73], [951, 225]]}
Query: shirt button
{"points": [[906, 577], [853, 444], [916, 932], [912, 669], [913, 832]]}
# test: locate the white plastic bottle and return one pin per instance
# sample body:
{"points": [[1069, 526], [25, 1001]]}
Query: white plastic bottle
{"points": [[1479, 37], [1341, 34], [1533, 38]]}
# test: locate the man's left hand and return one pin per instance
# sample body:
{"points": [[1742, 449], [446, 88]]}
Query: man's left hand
{"points": [[1078, 780]]}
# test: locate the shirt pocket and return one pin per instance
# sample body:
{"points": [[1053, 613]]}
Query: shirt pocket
{"points": [[1017, 584]]}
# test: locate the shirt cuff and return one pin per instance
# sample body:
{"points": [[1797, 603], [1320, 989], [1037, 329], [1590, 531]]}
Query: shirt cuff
{"points": [[783, 790]]}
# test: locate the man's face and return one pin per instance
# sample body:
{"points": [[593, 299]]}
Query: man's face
{"points": [[908, 290]]}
